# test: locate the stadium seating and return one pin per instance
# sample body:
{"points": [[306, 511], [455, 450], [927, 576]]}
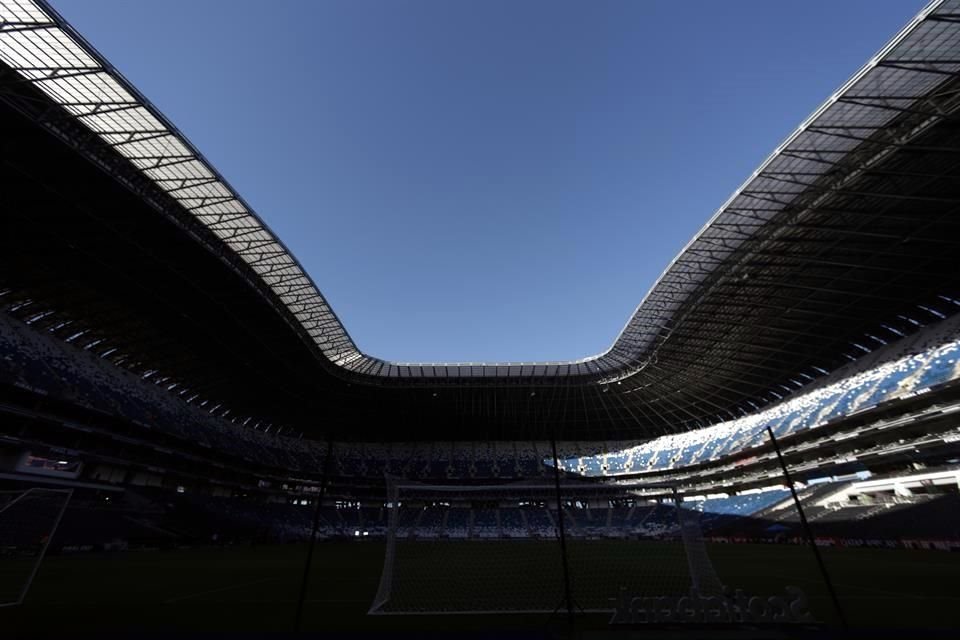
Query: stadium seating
{"points": [[44, 364], [153, 517], [458, 523], [742, 505], [898, 370]]}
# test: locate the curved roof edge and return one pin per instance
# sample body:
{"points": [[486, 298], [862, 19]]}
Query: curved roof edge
{"points": [[49, 54]]}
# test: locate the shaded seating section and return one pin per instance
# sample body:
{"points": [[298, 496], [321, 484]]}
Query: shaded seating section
{"points": [[431, 522], [458, 523], [159, 518], [539, 522], [512, 524], [485, 523], [75, 371]]}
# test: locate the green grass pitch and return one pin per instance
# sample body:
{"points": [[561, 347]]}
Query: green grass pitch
{"points": [[255, 588]]}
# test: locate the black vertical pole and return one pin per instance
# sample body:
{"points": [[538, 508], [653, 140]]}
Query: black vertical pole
{"points": [[562, 530], [313, 534], [808, 531]]}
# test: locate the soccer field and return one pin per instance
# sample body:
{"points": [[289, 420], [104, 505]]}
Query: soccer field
{"points": [[255, 588]]}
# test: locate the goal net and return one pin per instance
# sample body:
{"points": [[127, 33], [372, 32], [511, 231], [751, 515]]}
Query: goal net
{"points": [[28, 521], [495, 549]]}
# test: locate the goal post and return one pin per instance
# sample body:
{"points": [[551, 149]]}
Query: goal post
{"points": [[468, 549], [28, 522], [703, 575]]}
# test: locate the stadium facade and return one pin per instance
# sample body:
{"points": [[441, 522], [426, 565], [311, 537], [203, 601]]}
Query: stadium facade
{"points": [[157, 334]]}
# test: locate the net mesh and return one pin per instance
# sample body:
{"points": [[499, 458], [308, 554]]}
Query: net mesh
{"points": [[28, 520], [495, 549]]}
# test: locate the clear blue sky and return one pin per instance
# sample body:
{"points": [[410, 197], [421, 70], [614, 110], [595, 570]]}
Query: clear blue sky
{"points": [[489, 180]]}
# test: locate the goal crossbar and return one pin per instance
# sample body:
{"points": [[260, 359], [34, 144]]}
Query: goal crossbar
{"points": [[434, 567]]}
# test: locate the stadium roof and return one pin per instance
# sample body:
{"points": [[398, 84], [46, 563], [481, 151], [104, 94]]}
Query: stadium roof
{"points": [[849, 229]]}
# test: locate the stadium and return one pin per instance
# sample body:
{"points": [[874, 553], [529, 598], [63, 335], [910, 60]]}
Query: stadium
{"points": [[190, 440]]}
